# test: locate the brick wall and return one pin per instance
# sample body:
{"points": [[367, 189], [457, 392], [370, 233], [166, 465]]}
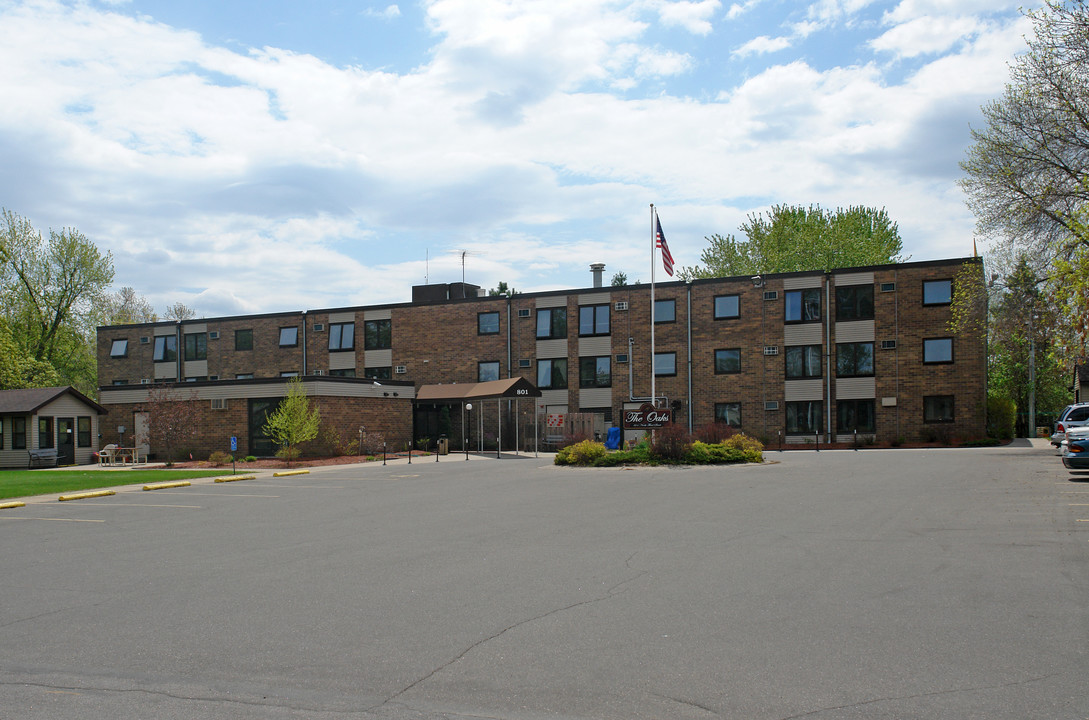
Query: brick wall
{"points": [[439, 343]]}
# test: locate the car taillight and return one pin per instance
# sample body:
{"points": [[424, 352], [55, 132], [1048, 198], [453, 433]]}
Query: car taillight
{"points": [[1060, 428]]}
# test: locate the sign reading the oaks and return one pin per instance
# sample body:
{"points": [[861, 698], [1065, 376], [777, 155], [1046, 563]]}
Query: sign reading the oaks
{"points": [[647, 416]]}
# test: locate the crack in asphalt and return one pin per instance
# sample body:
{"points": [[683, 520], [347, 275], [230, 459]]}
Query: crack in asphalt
{"points": [[921, 695], [609, 594]]}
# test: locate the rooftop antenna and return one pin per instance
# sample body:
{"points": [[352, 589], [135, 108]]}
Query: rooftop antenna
{"points": [[463, 254]]}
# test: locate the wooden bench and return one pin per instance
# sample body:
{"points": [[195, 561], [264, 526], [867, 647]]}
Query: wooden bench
{"points": [[46, 457]]}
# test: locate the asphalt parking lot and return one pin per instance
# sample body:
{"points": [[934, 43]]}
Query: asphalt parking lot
{"points": [[873, 584]]}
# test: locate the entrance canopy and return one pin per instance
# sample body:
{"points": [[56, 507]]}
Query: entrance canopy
{"points": [[510, 388]]}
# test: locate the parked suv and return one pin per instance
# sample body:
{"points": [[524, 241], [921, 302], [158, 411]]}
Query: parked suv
{"points": [[1071, 416]]}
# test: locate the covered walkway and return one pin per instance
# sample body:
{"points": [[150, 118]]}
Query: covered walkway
{"points": [[471, 396]]}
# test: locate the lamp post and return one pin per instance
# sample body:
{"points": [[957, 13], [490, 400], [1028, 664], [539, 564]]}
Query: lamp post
{"points": [[468, 422]]}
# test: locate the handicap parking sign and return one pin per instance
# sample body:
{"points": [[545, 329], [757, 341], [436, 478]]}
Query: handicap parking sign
{"points": [[234, 444]]}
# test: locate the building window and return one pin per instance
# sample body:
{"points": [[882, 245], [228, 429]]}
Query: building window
{"points": [[937, 292], [18, 433], [377, 334], [665, 363], [854, 302], [487, 323], [196, 346], [341, 336], [196, 378], [665, 311], [803, 306], [552, 374], [595, 372], [83, 432], [244, 376], [803, 361], [344, 372], [729, 413], [804, 417], [854, 359], [166, 348], [727, 361], [289, 336], [289, 373], [45, 432], [727, 307], [551, 323], [119, 349], [120, 381], [487, 371], [243, 339], [938, 350], [852, 415], [938, 409], [593, 320], [378, 373]]}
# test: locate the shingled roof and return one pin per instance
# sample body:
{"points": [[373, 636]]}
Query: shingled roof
{"points": [[27, 401]]}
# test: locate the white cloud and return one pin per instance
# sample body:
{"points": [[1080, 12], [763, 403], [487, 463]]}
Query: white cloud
{"points": [[925, 34], [694, 16], [391, 12], [763, 45]]}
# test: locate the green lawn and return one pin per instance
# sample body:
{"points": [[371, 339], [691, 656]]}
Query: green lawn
{"points": [[21, 483]]}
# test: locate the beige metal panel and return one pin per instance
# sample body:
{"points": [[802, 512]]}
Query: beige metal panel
{"points": [[794, 390], [855, 331], [862, 437], [596, 397], [230, 391], [800, 283], [888, 401], [378, 358], [65, 406], [165, 370], [195, 368], [341, 360], [803, 334], [862, 388], [191, 329], [595, 346], [552, 301], [381, 314], [344, 317], [552, 348], [599, 298], [552, 397], [160, 331], [857, 278]]}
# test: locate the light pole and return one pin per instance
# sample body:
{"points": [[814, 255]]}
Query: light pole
{"points": [[469, 420]]}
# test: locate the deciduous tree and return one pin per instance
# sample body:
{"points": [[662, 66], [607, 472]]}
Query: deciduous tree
{"points": [[794, 238], [293, 421]]}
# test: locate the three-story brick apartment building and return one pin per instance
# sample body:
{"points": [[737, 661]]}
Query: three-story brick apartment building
{"points": [[809, 356]]}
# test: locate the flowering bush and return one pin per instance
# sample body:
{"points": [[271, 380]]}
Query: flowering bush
{"points": [[581, 453]]}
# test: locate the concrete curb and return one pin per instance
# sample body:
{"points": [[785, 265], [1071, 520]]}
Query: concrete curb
{"points": [[168, 485], [235, 478], [285, 473], [10, 505], [86, 496]]}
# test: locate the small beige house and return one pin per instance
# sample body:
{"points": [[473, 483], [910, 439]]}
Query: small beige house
{"points": [[61, 418]]}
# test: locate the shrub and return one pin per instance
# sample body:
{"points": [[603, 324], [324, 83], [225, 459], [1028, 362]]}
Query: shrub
{"points": [[250, 458], [288, 453], [671, 442], [372, 443], [219, 458], [581, 453], [751, 448], [1001, 416], [715, 432]]}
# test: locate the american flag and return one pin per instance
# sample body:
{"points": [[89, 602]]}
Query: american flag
{"points": [[660, 241]]}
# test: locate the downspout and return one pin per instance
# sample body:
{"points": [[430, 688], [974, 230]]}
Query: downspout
{"points": [[510, 374], [688, 285], [828, 340], [304, 343], [896, 328]]}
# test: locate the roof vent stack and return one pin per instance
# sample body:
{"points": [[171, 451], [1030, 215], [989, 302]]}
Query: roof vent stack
{"points": [[597, 269]]}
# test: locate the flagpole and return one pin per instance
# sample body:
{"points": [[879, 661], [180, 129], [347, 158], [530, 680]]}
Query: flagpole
{"points": [[653, 394]]}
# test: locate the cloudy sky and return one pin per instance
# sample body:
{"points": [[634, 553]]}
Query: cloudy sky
{"points": [[244, 156]]}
